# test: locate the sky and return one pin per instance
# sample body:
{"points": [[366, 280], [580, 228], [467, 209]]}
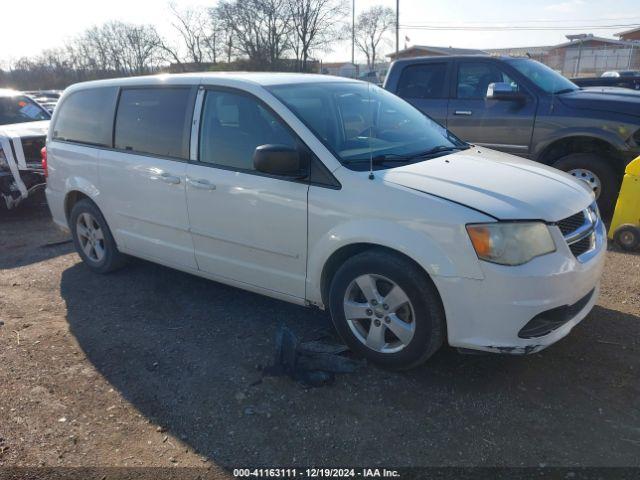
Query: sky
{"points": [[63, 19]]}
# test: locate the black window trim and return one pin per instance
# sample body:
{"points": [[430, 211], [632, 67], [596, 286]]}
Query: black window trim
{"points": [[192, 99], [302, 147]]}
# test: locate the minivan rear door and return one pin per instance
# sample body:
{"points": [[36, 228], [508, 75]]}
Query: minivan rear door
{"points": [[247, 226], [143, 178]]}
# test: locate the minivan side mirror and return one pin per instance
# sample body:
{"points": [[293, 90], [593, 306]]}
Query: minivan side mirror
{"points": [[280, 160], [503, 91]]}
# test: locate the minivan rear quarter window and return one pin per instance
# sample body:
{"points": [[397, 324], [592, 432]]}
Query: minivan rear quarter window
{"points": [[86, 117], [155, 121]]}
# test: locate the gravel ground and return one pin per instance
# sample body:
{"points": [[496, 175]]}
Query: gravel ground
{"points": [[152, 367]]}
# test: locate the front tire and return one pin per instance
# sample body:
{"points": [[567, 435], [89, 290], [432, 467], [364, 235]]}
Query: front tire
{"points": [[92, 238], [386, 309], [598, 173]]}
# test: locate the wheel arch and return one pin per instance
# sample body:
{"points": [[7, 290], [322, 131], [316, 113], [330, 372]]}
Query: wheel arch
{"points": [[580, 143], [73, 197], [338, 257], [76, 189]]}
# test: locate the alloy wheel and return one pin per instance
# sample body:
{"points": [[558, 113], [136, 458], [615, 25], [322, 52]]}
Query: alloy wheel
{"points": [[90, 237], [379, 313]]}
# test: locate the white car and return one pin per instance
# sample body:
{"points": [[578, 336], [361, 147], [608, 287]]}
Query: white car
{"points": [[327, 192], [23, 129]]}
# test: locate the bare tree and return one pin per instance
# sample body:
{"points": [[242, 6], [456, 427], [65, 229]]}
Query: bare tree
{"points": [[371, 29], [260, 29], [196, 34], [109, 50], [316, 25]]}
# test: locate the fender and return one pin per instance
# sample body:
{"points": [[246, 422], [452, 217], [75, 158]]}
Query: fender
{"points": [[434, 259], [610, 136]]}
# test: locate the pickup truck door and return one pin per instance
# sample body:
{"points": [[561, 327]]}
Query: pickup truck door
{"points": [[426, 87], [505, 125]]}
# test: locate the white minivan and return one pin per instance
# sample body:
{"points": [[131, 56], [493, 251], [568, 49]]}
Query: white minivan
{"points": [[327, 192]]}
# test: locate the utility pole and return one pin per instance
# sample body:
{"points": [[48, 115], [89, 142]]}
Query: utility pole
{"points": [[397, 27], [353, 32]]}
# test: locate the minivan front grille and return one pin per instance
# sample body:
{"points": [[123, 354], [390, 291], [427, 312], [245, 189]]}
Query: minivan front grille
{"points": [[581, 246], [579, 231], [572, 223]]}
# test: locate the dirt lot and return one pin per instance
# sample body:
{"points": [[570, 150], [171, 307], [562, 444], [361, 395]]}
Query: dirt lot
{"points": [[149, 366]]}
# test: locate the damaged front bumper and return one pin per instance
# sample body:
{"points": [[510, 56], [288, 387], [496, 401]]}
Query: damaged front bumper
{"points": [[522, 310], [21, 173]]}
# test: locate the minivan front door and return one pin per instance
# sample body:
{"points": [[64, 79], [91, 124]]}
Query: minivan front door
{"points": [[505, 125], [246, 226], [143, 178]]}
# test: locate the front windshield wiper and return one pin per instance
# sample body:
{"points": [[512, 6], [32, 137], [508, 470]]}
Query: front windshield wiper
{"points": [[397, 158]]}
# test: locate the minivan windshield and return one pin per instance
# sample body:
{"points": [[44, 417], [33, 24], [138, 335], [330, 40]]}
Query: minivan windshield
{"points": [[363, 123], [20, 109], [544, 77]]}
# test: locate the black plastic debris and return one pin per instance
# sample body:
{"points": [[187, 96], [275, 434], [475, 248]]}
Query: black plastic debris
{"points": [[312, 363]]}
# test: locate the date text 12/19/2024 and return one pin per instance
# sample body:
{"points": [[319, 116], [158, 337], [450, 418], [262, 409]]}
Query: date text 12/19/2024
{"points": [[315, 473]]}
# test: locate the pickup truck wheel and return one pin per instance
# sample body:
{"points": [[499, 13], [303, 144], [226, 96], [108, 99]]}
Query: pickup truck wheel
{"points": [[92, 238], [627, 236], [597, 173], [386, 309]]}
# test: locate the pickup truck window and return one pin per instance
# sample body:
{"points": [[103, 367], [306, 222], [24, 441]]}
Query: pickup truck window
{"points": [[475, 77], [545, 78], [359, 121], [423, 81]]}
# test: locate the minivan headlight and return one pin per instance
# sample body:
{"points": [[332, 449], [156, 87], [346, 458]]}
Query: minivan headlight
{"points": [[510, 243]]}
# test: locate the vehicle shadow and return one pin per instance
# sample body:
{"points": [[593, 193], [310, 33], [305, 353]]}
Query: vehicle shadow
{"points": [[28, 235], [187, 353]]}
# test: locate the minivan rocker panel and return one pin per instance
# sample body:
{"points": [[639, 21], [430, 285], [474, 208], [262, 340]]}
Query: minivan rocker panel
{"points": [[408, 236]]}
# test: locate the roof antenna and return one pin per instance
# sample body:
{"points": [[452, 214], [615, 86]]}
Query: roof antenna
{"points": [[371, 177]]}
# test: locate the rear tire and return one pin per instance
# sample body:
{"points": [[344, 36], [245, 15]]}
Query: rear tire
{"points": [[92, 238], [627, 237], [413, 311], [598, 172]]}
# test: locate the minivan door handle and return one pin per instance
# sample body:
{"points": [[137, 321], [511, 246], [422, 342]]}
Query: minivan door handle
{"points": [[466, 113], [201, 183], [168, 178]]}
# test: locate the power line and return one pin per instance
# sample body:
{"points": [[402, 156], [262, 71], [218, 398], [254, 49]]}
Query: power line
{"points": [[518, 27], [480, 22]]}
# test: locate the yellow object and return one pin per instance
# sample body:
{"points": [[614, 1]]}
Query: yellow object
{"points": [[628, 204]]}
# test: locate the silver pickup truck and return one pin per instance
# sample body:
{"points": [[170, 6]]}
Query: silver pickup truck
{"points": [[23, 131]]}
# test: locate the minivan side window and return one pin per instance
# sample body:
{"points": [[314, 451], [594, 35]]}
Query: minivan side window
{"points": [[423, 81], [155, 120], [233, 125], [86, 116], [475, 77]]}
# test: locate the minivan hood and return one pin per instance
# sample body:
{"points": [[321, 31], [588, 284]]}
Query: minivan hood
{"points": [[26, 129], [501, 185], [602, 99]]}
